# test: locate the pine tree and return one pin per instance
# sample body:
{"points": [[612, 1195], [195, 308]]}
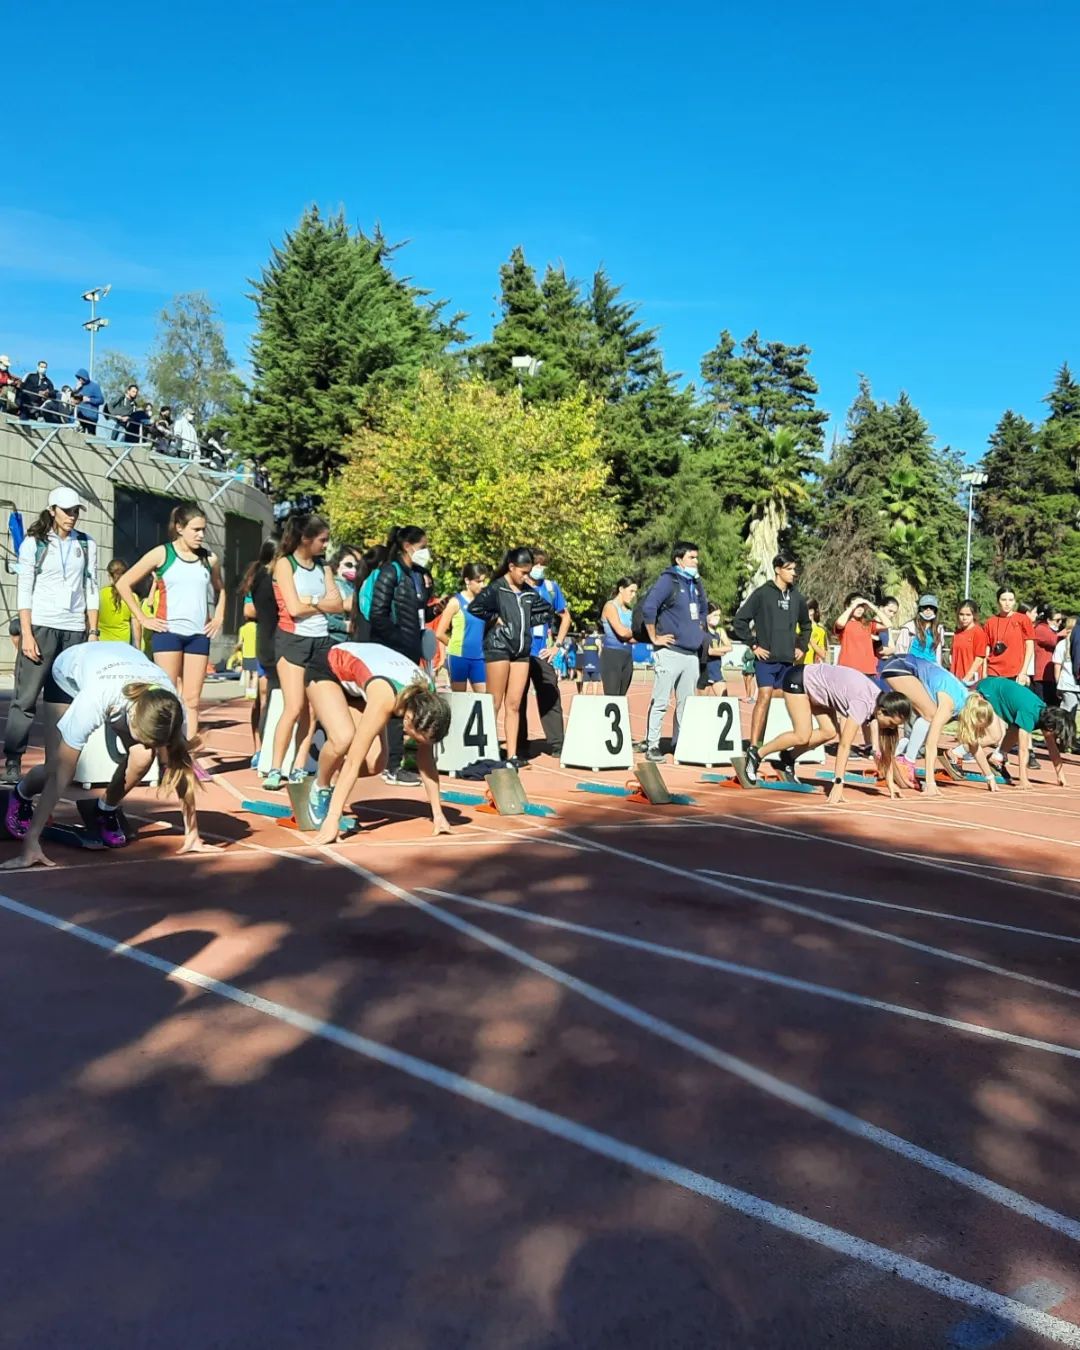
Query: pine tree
{"points": [[334, 326]]}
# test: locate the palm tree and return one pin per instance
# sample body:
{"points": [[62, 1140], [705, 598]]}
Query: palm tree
{"points": [[906, 541], [780, 487]]}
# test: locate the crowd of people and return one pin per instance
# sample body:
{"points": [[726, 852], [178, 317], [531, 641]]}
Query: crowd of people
{"points": [[128, 417], [354, 645]]}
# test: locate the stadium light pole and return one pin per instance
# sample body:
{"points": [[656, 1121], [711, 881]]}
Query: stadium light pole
{"points": [[95, 324], [972, 479]]}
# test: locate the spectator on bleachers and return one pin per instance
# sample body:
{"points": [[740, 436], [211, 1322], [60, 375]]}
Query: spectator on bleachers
{"points": [[139, 424], [36, 389], [162, 432], [185, 439], [89, 399], [121, 409], [9, 386], [59, 407]]}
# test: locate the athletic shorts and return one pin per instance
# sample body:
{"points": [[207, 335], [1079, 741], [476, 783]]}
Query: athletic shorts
{"points": [[792, 682], [252, 663], [491, 657], [317, 658], [897, 665], [467, 669], [770, 674], [191, 644], [590, 674], [51, 691], [714, 670]]}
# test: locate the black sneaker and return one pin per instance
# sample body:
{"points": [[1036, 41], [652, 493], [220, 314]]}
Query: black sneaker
{"points": [[951, 767], [655, 755], [12, 770], [640, 747], [401, 778], [1002, 770], [753, 760], [786, 765], [1033, 760]]}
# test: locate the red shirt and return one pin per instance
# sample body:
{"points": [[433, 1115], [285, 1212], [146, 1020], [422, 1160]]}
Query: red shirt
{"points": [[1046, 639], [857, 646], [1014, 630], [968, 646]]}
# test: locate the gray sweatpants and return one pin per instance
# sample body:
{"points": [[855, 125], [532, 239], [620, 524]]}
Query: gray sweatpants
{"points": [[29, 681], [676, 671]]}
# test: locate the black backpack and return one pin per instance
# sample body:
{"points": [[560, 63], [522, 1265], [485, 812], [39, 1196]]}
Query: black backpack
{"points": [[637, 620]]}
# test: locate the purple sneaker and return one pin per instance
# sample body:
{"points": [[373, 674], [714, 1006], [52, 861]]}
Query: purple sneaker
{"points": [[109, 830], [18, 813]]}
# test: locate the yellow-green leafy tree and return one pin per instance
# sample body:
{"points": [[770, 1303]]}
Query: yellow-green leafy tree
{"points": [[483, 471]]}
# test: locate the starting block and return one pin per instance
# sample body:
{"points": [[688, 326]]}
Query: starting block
{"points": [[505, 796], [85, 835], [868, 779], [943, 776], [296, 815], [771, 784], [647, 788]]}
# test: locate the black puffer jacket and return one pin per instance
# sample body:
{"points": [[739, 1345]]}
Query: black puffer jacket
{"points": [[509, 617], [395, 609]]}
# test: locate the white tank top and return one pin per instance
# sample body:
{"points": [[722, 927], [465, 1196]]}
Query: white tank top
{"points": [[310, 583], [185, 593]]}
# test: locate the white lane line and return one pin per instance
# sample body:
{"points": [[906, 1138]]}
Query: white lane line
{"points": [[983, 1332], [964, 863], [1054, 1329], [821, 917], [777, 1087], [751, 972], [886, 904]]}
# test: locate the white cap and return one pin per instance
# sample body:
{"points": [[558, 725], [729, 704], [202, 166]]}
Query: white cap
{"points": [[66, 498]]}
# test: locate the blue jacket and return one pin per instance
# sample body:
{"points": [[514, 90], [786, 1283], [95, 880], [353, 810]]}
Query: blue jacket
{"points": [[92, 397], [1074, 651], [668, 607]]}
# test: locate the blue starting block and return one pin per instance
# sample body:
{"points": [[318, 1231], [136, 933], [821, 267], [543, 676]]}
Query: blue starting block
{"points": [[612, 790]]}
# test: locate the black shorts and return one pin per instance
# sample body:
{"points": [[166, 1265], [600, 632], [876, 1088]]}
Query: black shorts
{"points": [[490, 657], [317, 668], [792, 682], [299, 650], [51, 691]]}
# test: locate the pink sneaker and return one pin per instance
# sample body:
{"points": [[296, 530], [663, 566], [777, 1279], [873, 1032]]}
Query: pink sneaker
{"points": [[109, 831], [200, 772], [907, 770], [18, 813]]}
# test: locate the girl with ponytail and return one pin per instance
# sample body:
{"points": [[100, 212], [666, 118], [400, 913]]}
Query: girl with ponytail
{"points": [[190, 608], [835, 697], [105, 684]]}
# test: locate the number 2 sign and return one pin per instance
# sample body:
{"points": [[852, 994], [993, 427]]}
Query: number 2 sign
{"points": [[598, 734], [472, 735], [709, 732]]}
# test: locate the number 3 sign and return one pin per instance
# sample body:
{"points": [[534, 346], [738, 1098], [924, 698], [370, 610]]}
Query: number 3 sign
{"points": [[598, 734], [472, 733]]}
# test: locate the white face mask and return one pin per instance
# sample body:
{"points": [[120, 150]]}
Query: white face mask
{"points": [[421, 557], [537, 573]]}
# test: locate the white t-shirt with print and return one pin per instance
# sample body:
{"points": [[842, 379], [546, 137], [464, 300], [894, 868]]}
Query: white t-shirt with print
{"points": [[94, 674], [1067, 680]]}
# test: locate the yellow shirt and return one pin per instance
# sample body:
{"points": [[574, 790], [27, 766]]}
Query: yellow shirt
{"points": [[818, 635], [114, 618], [248, 636]]}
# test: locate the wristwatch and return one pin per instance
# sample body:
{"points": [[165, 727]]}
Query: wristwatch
{"points": [[93, 632]]}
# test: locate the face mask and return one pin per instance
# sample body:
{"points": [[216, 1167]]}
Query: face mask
{"points": [[421, 557], [349, 573], [928, 614], [537, 573], [690, 571]]}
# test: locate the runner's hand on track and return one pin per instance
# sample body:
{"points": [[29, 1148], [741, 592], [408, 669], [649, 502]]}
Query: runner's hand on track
{"points": [[440, 825], [836, 795], [31, 856], [193, 844]]}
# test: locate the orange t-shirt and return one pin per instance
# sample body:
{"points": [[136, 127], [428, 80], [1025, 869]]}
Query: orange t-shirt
{"points": [[968, 646], [857, 646], [1014, 630]]}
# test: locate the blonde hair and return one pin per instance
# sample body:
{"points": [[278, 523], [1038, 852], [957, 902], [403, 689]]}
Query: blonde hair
{"points": [[975, 719], [115, 571], [156, 718]]}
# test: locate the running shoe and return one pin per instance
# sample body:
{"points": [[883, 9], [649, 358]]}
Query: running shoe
{"points": [[951, 767], [17, 815], [273, 781], [298, 776], [319, 803], [743, 771], [200, 772], [906, 770], [109, 829], [12, 770], [406, 777], [655, 755], [786, 765]]}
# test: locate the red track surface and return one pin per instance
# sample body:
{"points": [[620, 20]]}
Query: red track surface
{"points": [[179, 1169]]}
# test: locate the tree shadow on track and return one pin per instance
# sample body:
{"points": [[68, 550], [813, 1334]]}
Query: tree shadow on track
{"points": [[181, 1170]]}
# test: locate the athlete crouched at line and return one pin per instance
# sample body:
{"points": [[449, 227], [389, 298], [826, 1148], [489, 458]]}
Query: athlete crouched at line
{"points": [[91, 686], [1001, 712], [834, 695], [355, 689]]}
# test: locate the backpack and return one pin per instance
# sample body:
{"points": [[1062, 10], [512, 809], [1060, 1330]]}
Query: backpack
{"points": [[41, 547], [637, 620], [367, 591]]}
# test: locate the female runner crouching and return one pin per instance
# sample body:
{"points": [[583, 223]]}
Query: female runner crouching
{"points": [[355, 689], [94, 685]]}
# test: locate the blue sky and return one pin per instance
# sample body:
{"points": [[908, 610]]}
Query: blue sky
{"points": [[894, 185]]}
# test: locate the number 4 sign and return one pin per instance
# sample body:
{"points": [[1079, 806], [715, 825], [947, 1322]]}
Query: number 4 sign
{"points": [[598, 734], [472, 735]]}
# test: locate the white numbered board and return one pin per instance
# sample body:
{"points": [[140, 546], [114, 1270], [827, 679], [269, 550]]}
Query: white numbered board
{"points": [[101, 757], [710, 732], [473, 732], [779, 722], [598, 734]]}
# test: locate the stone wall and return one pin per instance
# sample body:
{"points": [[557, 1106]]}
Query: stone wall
{"points": [[89, 464]]}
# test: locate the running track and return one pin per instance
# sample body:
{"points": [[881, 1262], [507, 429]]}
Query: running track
{"points": [[749, 1073]]}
